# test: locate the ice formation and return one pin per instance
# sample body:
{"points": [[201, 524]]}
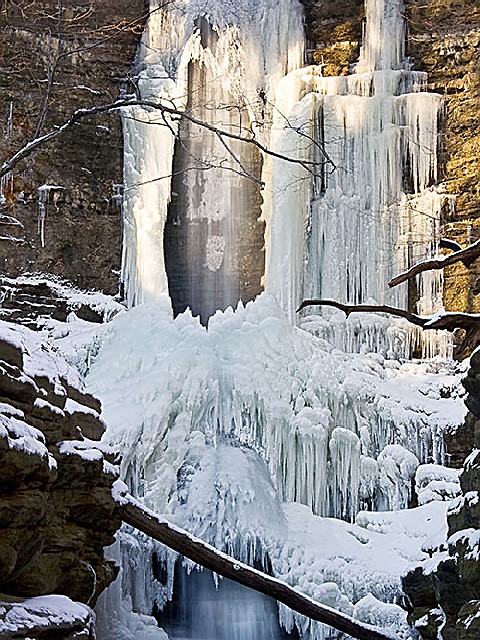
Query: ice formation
{"points": [[373, 135], [44, 192], [221, 427], [220, 63], [264, 438]]}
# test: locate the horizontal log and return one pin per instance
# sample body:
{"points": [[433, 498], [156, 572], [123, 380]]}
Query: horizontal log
{"points": [[136, 515]]}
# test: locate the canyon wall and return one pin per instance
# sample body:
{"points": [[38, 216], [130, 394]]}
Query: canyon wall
{"points": [[81, 57]]}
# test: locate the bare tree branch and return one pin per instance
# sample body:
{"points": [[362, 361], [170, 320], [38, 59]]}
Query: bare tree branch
{"points": [[136, 515], [446, 243], [445, 321], [366, 308], [467, 256], [79, 114]]}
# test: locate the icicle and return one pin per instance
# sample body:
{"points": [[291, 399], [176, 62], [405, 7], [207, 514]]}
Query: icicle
{"points": [[43, 201], [9, 125], [211, 58], [6, 187], [367, 211]]}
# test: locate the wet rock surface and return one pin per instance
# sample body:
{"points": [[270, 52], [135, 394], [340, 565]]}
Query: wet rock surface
{"points": [[91, 45]]}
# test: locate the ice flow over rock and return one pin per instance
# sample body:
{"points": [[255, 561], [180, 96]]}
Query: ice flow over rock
{"points": [[262, 437]]}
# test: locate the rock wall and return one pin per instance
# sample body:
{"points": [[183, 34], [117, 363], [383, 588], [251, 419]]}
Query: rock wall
{"points": [[444, 40], [444, 597], [56, 508], [78, 56]]}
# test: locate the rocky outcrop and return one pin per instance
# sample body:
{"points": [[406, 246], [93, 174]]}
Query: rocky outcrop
{"points": [[32, 300], [445, 595], [91, 47], [56, 508]]}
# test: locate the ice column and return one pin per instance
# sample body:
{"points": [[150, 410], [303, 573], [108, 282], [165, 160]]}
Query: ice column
{"points": [[219, 64]]}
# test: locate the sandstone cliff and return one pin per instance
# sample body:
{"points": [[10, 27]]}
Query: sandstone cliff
{"points": [[56, 507], [80, 57]]}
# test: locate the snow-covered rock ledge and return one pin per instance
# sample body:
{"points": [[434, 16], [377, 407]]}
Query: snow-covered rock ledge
{"points": [[56, 509], [53, 614]]}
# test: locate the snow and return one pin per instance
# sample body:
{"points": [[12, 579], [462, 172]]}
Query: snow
{"points": [[52, 610], [360, 563], [435, 482], [79, 448], [43, 404], [22, 436]]}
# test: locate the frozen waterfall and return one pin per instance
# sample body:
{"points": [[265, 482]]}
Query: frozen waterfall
{"points": [[265, 438], [219, 63], [369, 209]]}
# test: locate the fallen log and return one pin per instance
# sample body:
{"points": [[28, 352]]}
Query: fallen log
{"points": [[141, 518]]}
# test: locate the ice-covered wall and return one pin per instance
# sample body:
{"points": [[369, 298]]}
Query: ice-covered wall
{"points": [[367, 210]]}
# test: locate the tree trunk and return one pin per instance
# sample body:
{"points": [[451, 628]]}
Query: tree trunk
{"points": [[134, 514]]}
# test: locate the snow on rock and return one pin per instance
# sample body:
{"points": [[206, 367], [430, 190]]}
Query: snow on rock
{"points": [[436, 482], [21, 436], [45, 614], [57, 508], [466, 541], [384, 615]]}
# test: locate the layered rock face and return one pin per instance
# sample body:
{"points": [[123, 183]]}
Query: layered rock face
{"points": [[444, 40], [445, 597], [54, 59], [56, 507]]}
